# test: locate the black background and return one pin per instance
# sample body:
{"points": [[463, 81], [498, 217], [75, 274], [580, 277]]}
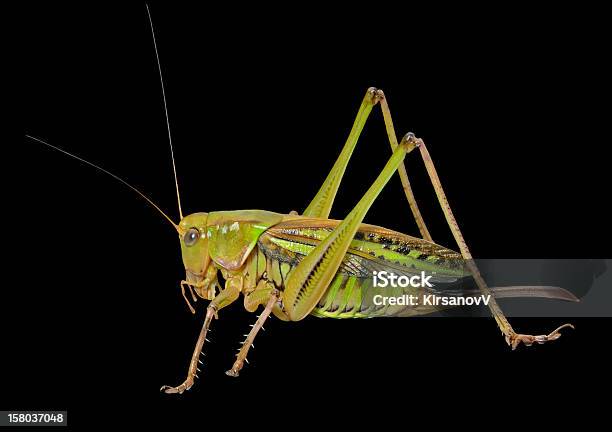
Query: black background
{"points": [[260, 103]]}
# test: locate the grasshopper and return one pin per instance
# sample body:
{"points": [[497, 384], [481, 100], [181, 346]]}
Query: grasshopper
{"points": [[294, 265]]}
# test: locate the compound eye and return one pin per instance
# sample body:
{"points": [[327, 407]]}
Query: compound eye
{"points": [[191, 236]]}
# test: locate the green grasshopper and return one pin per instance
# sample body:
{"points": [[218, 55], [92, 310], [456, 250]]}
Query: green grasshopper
{"points": [[295, 265]]}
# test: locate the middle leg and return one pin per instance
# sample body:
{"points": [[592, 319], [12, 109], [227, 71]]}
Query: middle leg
{"points": [[241, 357]]}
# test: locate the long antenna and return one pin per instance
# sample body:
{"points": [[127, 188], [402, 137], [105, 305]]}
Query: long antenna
{"points": [[106, 172], [161, 80]]}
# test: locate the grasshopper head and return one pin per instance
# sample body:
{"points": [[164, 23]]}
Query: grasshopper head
{"points": [[194, 249]]}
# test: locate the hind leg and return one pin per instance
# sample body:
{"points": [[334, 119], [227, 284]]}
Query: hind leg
{"points": [[322, 203], [309, 280], [512, 338]]}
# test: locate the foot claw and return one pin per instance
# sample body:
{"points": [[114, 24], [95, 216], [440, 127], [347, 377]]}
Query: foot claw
{"points": [[232, 372], [178, 389], [170, 390], [515, 339], [235, 370]]}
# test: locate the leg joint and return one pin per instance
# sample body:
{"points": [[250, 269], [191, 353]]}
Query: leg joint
{"points": [[376, 95], [410, 141]]}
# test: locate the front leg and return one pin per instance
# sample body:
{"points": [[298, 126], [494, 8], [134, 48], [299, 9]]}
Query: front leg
{"points": [[233, 286]]}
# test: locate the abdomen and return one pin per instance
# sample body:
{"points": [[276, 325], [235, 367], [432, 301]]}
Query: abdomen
{"points": [[349, 296]]}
